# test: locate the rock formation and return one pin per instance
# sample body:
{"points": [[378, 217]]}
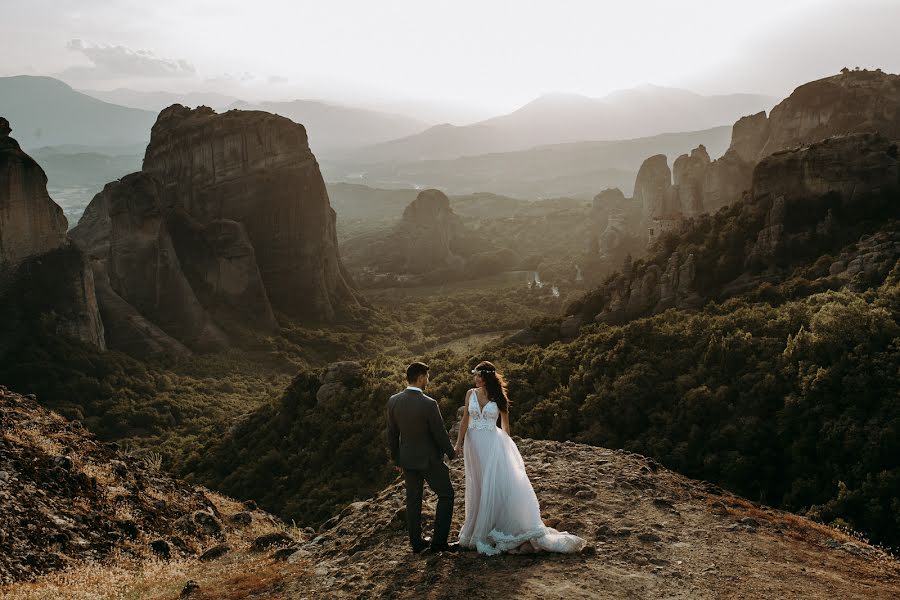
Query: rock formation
{"points": [[42, 277], [798, 199], [426, 231], [67, 499], [652, 533], [852, 166], [126, 329], [256, 169], [31, 223], [228, 218], [91, 234], [144, 268], [337, 380], [425, 243], [689, 173], [726, 179], [653, 188], [749, 135], [222, 269], [852, 102]]}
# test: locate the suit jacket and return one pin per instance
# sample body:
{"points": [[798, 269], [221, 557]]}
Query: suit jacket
{"points": [[415, 433]]}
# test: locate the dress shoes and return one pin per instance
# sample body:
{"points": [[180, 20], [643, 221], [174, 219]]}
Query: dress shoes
{"points": [[452, 547]]}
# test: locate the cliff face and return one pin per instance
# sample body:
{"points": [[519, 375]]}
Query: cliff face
{"points": [[852, 102], [425, 233], [41, 276], [653, 188], [228, 218], [689, 173], [256, 169], [91, 234], [31, 223], [222, 269], [145, 270], [851, 166], [802, 204], [748, 136]]}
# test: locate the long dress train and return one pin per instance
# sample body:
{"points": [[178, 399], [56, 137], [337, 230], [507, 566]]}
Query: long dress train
{"points": [[502, 511]]}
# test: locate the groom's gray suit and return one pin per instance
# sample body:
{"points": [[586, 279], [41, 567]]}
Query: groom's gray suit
{"points": [[418, 440]]}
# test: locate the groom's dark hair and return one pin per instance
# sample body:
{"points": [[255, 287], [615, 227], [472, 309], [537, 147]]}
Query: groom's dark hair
{"points": [[415, 370]]}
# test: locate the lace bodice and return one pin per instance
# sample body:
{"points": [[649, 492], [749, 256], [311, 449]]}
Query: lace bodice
{"points": [[482, 418]]}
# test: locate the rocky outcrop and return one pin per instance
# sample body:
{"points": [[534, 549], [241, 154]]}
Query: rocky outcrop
{"points": [[852, 102], [849, 103], [651, 532], [769, 239], [126, 329], [425, 233], [91, 234], [726, 179], [614, 236], [67, 499], [337, 380], [256, 169], [801, 204], [748, 136], [689, 173], [145, 270], [653, 189], [44, 281], [222, 270], [424, 243], [31, 223], [609, 198], [852, 166], [228, 218]]}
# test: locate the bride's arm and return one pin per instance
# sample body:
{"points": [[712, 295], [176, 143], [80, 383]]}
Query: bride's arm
{"points": [[504, 422], [463, 427]]}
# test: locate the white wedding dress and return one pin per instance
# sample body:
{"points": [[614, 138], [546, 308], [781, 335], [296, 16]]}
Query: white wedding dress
{"points": [[502, 511]]}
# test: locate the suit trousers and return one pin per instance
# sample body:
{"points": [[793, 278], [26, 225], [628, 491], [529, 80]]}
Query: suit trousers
{"points": [[438, 478]]}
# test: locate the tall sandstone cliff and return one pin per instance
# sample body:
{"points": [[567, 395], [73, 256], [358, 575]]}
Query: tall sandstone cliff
{"points": [[41, 275], [848, 103], [257, 170], [228, 218], [31, 223], [802, 205]]}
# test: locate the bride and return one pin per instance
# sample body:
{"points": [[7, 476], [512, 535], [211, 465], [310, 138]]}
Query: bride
{"points": [[502, 512]]}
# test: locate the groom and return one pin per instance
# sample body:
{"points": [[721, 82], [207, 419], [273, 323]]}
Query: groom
{"points": [[417, 441]]}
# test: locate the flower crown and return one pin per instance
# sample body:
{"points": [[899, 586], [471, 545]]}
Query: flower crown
{"points": [[484, 371]]}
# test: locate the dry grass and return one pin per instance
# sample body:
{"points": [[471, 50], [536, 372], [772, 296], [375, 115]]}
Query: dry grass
{"points": [[237, 575], [233, 577]]}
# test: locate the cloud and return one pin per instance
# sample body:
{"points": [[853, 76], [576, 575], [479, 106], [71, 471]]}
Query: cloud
{"points": [[229, 78], [275, 79], [111, 62]]}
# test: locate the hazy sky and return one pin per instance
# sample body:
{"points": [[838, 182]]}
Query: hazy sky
{"points": [[485, 54]]}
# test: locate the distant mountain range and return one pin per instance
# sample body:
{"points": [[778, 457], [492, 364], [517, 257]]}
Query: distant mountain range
{"points": [[43, 111], [579, 169], [332, 127], [560, 118], [156, 101]]}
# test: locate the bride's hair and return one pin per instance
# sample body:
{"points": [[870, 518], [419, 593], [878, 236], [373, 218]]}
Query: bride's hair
{"points": [[494, 383]]}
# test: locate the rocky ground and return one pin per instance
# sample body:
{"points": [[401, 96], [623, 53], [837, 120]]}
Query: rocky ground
{"points": [[67, 499], [652, 534]]}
